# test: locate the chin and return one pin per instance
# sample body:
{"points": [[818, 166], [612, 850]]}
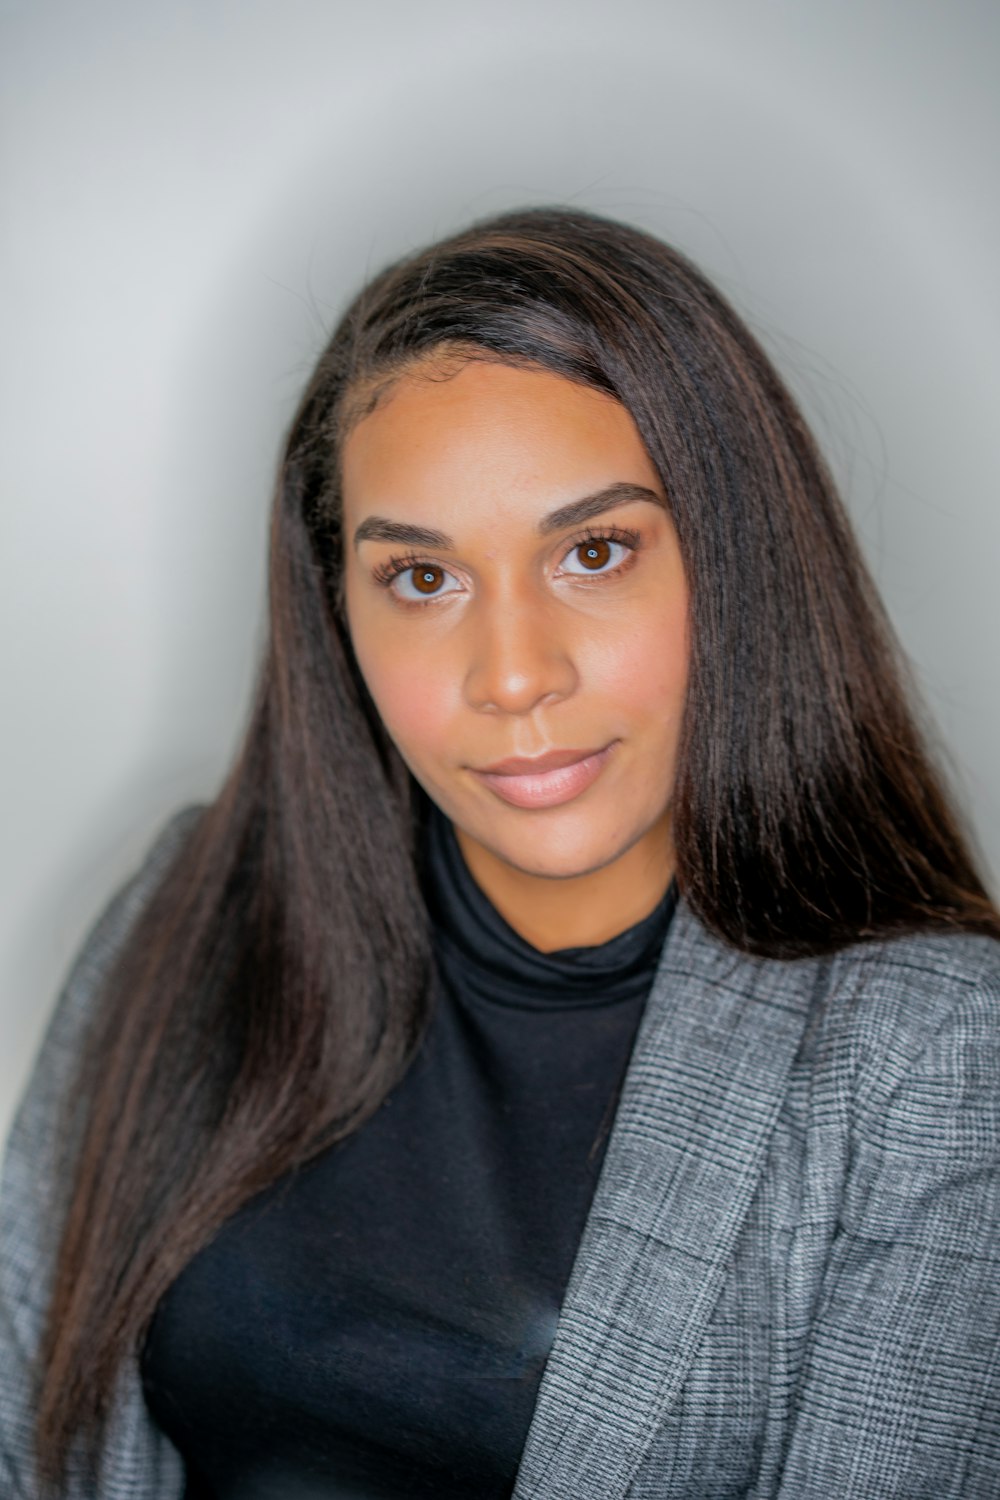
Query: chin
{"points": [[539, 847]]}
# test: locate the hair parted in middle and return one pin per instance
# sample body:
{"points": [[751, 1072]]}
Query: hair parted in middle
{"points": [[276, 986]]}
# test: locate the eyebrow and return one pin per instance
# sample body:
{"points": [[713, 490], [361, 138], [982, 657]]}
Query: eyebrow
{"points": [[575, 513]]}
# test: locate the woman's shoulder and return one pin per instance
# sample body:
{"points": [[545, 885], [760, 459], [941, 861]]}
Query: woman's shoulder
{"points": [[59, 1053], [930, 958], [106, 935], [903, 986], [892, 1033], [911, 986], [911, 1027]]}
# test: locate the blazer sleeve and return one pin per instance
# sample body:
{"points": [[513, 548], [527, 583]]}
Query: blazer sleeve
{"points": [[138, 1463], [901, 1392]]}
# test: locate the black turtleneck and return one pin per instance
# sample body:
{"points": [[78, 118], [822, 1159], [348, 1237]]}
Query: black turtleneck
{"points": [[377, 1323]]}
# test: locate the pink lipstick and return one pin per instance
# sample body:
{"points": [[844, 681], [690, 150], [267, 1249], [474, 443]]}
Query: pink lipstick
{"points": [[545, 780]]}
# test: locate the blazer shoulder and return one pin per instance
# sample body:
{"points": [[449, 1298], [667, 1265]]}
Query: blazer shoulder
{"points": [[106, 937], [917, 979], [33, 1193], [964, 957], [906, 984], [63, 1036], [894, 1005]]}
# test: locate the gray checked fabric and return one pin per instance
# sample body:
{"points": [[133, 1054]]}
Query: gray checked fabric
{"points": [[789, 1281]]}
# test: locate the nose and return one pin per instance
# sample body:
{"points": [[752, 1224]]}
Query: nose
{"points": [[519, 656]]}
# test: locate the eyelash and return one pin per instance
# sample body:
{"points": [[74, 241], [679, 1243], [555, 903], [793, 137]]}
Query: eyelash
{"points": [[386, 573]]}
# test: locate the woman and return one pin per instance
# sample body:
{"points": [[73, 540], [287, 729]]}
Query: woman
{"points": [[563, 1061]]}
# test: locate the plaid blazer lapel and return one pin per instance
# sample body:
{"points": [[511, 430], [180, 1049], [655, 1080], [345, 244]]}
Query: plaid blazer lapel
{"points": [[700, 1099]]}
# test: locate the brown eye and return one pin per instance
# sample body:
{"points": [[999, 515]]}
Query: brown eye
{"points": [[417, 582], [601, 556], [594, 554], [427, 580]]}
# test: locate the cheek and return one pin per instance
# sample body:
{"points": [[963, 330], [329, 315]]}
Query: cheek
{"points": [[414, 698], [645, 669]]}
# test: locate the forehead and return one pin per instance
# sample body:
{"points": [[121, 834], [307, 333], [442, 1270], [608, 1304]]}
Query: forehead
{"points": [[487, 436]]}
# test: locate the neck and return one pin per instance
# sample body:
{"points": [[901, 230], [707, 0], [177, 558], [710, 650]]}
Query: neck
{"points": [[575, 911]]}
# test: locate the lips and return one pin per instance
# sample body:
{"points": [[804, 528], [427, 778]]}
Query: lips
{"points": [[545, 780], [534, 765]]}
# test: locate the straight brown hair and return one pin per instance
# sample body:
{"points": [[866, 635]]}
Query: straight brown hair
{"points": [[275, 987]]}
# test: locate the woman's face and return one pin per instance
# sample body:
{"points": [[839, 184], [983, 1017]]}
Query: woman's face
{"points": [[514, 589]]}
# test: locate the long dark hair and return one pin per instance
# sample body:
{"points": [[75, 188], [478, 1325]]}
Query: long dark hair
{"points": [[276, 986]]}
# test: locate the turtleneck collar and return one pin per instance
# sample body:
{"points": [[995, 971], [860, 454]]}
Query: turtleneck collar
{"points": [[499, 966]]}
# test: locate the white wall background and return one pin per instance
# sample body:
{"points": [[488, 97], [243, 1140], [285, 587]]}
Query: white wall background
{"points": [[190, 188]]}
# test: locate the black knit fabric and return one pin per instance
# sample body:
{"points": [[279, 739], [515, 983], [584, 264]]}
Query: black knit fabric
{"points": [[377, 1324]]}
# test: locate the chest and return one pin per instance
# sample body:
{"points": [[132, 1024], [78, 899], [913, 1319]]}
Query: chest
{"points": [[381, 1319]]}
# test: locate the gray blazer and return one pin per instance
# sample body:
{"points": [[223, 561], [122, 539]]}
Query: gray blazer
{"points": [[788, 1285]]}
